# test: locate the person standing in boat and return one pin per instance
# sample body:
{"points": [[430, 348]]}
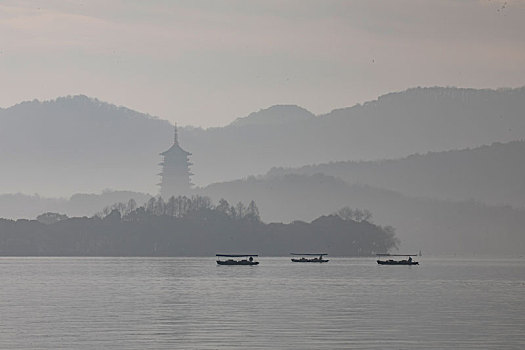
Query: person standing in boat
{"points": [[409, 259]]}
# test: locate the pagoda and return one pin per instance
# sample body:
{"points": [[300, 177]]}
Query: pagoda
{"points": [[175, 171]]}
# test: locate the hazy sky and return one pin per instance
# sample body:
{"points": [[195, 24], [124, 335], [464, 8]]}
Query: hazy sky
{"points": [[205, 63]]}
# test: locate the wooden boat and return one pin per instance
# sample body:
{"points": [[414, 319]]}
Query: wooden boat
{"points": [[303, 258], [408, 261], [397, 262], [247, 261]]}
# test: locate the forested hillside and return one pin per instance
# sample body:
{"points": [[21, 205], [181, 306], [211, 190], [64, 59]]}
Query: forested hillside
{"points": [[492, 174]]}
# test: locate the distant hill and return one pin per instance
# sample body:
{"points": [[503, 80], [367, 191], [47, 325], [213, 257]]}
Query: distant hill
{"points": [[79, 144], [395, 125], [434, 226], [275, 115], [492, 174]]}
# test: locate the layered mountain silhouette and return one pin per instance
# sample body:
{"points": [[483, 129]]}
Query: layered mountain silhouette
{"points": [[56, 146], [395, 125], [493, 174]]}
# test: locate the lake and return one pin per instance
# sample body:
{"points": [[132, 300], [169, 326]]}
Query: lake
{"points": [[191, 303]]}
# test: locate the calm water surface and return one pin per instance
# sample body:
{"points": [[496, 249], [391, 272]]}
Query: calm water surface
{"points": [[190, 303]]}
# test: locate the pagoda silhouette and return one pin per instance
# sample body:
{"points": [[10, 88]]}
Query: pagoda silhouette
{"points": [[175, 171]]}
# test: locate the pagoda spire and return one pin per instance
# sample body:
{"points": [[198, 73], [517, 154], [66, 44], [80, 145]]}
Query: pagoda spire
{"points": [[175, 136]]}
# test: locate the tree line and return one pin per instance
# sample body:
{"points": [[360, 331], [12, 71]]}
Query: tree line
{"points": [[181, 207], [191, 226]]}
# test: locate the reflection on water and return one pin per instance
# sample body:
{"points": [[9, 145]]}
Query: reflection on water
{"points": [[191, 303]]}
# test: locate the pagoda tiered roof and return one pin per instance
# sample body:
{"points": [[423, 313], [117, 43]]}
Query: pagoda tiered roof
{"points": [[175, 148]]}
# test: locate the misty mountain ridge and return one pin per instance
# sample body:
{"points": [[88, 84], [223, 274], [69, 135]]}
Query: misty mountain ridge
{"points": [[275, 115], [58, 145], [82, 106], [396, 125], [78, 144], [493, 174]]}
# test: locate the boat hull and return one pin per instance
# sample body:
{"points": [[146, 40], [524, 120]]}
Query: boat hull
{"points": [[393, 262], [236, 262], [310, 260]]}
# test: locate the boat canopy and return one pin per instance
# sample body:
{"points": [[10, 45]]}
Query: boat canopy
{"points": [[312, 254], [236, 255]]}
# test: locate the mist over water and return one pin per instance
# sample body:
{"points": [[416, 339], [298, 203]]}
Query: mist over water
{"points": [[191, 303]]}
